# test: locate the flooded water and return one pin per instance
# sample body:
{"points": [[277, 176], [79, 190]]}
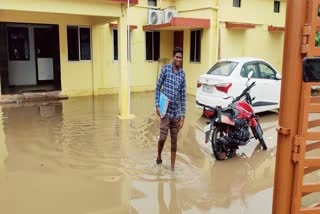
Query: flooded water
{"points": [[77, 157]]}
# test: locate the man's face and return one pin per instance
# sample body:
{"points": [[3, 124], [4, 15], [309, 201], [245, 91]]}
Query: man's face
{"points": [[177, 59]]}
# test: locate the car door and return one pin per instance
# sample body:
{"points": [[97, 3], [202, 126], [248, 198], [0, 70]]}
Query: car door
{"points": [[269, 86], [245, 70]]}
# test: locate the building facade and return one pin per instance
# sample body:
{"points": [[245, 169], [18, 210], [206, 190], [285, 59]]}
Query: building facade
{"points": [[80, 47]]}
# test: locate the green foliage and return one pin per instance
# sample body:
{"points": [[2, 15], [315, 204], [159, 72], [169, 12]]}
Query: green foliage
{"points": [[317, 39]]}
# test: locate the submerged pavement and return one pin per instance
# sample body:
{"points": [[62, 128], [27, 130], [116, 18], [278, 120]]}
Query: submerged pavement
{"points": [[76, 157]]}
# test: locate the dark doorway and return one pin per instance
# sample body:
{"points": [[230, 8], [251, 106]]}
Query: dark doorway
{"points": [[4, 58], [29, 58], [47, 56], [178, 40]]}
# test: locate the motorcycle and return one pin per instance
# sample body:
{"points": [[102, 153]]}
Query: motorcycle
{"points": [[230, 125]]}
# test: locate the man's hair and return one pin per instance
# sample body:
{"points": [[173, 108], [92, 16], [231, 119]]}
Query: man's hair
{"points": [[177, 50]]}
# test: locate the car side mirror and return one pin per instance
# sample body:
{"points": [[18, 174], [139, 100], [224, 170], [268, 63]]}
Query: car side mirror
{"points": [[278, 76]]}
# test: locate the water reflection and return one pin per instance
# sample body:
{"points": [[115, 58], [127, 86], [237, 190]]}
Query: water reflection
{"points": [[3, 151], [173, 206]]}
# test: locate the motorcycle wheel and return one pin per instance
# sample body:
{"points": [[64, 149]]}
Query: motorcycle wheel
{"points": [[217, 146], [263, 144]]}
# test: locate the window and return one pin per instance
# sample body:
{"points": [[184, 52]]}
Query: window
{"points": [[18, 40], [236, 3], [195, 46], [246, 69], [79, 43], [115, 45], [223, 68], [266, 72], [152, 3], [276, 7], [152, 45]]}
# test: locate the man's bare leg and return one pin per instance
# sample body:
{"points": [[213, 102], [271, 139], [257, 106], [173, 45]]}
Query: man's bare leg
{"points": [[173, 160]]}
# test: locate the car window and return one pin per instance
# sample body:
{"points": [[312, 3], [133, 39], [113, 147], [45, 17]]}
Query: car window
{"points": [[247, 68], [223, 68], [266, 72]]}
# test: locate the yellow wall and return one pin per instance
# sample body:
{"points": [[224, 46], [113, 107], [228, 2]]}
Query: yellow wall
{"points": [[253, 11], [76, 7], [256, 42]]}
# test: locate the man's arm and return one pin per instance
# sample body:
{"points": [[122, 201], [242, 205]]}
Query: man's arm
{"points": [[183, 98]]}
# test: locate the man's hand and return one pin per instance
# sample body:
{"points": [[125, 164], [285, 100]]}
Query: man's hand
{"points": [[158, 111], [181, 122]]}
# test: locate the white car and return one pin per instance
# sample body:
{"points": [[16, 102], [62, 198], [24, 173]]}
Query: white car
{"points": [[228, 77]]}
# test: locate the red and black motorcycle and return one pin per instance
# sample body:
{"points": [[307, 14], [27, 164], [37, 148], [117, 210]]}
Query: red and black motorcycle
{"points": [[231, 125]]}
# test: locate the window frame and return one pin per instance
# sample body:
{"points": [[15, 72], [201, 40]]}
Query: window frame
{"points": [[152, 48], [276, 6], [194, 58], [79, 43], [236, 3]]}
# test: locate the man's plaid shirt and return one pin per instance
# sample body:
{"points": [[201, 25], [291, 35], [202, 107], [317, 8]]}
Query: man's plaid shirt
{"points": [[174, 87]]}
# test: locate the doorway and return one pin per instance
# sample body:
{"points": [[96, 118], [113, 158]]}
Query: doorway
{"points": [[178, 41], [31, 60]]}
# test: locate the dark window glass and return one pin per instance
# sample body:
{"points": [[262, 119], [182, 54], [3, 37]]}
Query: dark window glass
{"points": [[152, 46], [195, 46], [156, 46], [18, 39], [198, 45], [192, 46], [85, 44], [266, 72], [115, 44], [276, 7], [237, 3], [149, 45], [73, 43], [152, 2]]}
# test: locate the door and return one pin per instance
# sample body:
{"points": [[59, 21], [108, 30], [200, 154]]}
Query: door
{"points": [[267, 88], [4, 59], [178, 41], [44, 54]]}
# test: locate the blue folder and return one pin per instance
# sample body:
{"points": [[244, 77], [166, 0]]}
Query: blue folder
{"points": [[163, 104]]}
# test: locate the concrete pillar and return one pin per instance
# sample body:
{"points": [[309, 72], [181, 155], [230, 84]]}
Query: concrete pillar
{"points": [[124, 91], [99, 57]]}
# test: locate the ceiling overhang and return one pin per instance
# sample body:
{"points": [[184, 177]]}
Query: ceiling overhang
{"points": [[178, 23], [115, 26], [234, 25], [275, 29]]}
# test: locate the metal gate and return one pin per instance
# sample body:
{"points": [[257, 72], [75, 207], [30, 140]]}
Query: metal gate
{"points": [[299, 128]]}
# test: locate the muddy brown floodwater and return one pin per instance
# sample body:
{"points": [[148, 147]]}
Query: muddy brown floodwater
{"points": [[77, 157]]}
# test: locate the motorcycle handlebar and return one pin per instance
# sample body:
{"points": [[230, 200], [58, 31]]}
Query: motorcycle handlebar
{"points": [[245, 91]]}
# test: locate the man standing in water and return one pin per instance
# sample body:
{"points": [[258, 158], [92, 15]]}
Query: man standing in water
{"points": [[173, 81]]}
